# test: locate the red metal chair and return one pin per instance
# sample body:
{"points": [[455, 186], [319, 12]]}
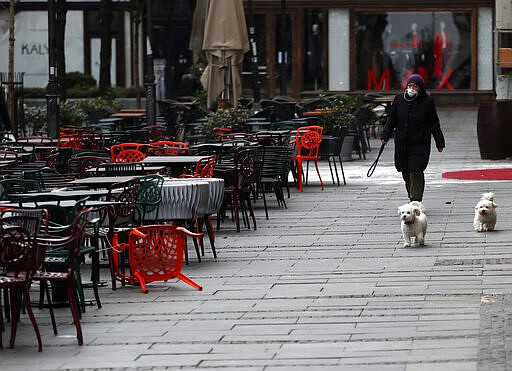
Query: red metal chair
{"points": [[155, 253], [129, 152], [17, 254], [82, 140], [221, 132], [167, 147], [307, 144], [204, 168], [72, 243], [156, 132]]}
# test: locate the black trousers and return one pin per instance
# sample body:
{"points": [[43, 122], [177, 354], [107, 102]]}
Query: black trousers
{"points": [[415, 184]]}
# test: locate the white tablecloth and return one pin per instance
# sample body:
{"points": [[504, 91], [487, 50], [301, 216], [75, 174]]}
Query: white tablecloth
{"points": [[188, 199]]}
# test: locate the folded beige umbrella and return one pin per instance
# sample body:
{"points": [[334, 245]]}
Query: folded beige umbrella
{"points": [[197, 32], [225, 44]]}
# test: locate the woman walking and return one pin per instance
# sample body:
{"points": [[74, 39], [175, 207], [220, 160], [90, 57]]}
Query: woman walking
{"points": [[413, 120]]}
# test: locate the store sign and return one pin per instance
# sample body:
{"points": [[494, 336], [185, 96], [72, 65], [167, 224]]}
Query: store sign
{"points": [[31, 45]]}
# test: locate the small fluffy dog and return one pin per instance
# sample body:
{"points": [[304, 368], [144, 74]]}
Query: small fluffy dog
{"points": [[485, 213], [414, 222]]}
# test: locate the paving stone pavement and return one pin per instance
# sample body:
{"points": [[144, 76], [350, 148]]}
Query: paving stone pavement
{"points": [[322, 285]]}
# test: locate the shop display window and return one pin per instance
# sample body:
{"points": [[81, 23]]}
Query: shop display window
{"points": [[390, 46]]}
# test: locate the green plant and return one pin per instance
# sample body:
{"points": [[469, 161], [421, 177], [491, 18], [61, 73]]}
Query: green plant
{"points": [[337, 112], [35, 118], [107, 102], [231, 117], [70, 114]]}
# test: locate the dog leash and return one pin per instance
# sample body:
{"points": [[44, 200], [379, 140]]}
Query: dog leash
{"points": [[374, 165]]}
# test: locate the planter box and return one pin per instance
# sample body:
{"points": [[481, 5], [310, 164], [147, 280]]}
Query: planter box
{"points": [[347, 148], [494, 130]]}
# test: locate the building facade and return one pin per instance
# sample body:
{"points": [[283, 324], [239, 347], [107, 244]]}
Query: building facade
{"points": [[303, 47]]}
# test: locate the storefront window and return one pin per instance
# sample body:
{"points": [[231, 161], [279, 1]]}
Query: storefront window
{"points": [[313, 49], [391, 46]]}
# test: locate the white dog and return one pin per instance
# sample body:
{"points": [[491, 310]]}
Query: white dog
{"points": [[485, 213], [414, 222]]}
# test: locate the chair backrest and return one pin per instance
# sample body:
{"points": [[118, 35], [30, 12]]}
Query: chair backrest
{"points": [[119, 169], [149, 193], [307, 141], [60, 219], [72, 242], [167, 147], [81, 164], [14, 186], [204, 168], [220, 132], [243, 136], [17, 246], [275, 161], [228, 147], [85, 140], [50, 179], [126, 193], [155, 132], [30, 219], [156, 251], [247, 165], [129, 152]]}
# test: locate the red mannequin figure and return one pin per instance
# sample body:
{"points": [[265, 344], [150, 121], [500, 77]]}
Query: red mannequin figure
{"points": [[441, 49]]}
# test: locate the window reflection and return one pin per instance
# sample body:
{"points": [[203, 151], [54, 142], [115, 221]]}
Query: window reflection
{"points": [[391, 46]]}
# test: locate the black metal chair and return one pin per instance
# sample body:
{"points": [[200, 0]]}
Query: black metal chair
{"points": [[273, 175], [330, 148]]}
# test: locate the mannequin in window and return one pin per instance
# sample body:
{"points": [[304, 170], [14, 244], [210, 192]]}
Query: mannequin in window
{"points": [[441, 51], [390, 56], [414, 50], [314, 54]]}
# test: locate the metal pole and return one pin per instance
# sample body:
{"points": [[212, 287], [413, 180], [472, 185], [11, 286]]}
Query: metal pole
{"points": [[149, 80], [284, 50], [254, 54], [52, 89]]}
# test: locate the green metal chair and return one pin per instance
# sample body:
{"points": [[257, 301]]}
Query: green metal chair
{"points": [[60, 223], [149, 196]]}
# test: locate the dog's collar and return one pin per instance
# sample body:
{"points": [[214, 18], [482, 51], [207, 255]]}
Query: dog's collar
{"points": [[409, 223]]}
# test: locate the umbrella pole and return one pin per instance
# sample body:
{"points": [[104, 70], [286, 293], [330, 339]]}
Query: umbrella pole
{"points": [[225, 92]]}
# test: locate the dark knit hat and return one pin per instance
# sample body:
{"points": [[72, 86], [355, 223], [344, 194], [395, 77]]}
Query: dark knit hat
{"points": [[416, 79]]}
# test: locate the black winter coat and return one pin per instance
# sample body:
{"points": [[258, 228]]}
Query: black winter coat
{"points": [[413, 124]]}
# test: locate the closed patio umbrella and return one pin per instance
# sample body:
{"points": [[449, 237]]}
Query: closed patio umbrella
{"points": [[225, 43], [197, 32]]}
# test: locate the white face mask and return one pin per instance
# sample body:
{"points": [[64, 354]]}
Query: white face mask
{"points": [[410, 94]]}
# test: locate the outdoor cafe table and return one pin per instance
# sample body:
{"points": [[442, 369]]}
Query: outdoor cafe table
{"points": [[61, 194], [146, 169], [129, 119], [189, 199], [64, 203], [102, 181], [171, 160], [174, 163]]}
